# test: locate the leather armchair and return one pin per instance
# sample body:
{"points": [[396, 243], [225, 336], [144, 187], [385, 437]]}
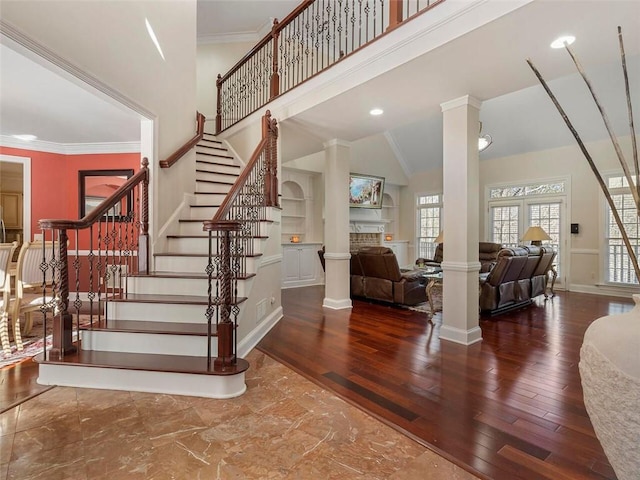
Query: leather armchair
{"points": [[382, 279]]}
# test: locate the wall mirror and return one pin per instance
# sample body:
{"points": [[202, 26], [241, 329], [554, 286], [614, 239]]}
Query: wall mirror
{"points": [[94, 186]]}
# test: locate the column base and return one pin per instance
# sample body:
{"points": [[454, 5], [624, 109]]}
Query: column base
{"points": [[463, 337], [337, 304]]}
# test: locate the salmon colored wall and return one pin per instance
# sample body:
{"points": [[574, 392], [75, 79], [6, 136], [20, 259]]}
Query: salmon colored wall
{"points": [[54, 180]]}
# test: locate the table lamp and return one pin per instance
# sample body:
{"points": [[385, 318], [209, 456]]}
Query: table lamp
{"points": [[535, 235], [440, 237]]}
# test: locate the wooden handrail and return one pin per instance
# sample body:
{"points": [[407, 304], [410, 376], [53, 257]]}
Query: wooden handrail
{"points": [[278, 26], [178, 154], [237, 103], [268, 125]]}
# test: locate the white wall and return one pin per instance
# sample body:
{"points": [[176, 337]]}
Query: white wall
{"points": [[214, 59], [109, 41]]}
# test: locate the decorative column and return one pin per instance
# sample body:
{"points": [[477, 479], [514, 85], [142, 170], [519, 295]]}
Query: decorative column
{"points": [[337, 155], [460, 313]]}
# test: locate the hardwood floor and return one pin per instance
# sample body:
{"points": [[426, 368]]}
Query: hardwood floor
{"points": [[509, 407]]}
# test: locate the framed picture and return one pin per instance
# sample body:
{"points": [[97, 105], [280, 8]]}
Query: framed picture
{"points": [[95, 186], [365, 191]]}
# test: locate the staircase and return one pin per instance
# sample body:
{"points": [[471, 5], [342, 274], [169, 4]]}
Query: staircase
{"points": [[155, 338]]}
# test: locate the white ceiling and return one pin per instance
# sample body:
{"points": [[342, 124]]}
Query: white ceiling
{"points": [[488, 63]]}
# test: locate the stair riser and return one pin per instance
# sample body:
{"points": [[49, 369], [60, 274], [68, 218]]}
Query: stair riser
{"points": [[215, 177], [158, 312], [198, 245], [160, 344], [195, 228], [215, 157], [202, 212], [173, 286], [167, 263], [209, 199], [212, 187], [210, 386]]}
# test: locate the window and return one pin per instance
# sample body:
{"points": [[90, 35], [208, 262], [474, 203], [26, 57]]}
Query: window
{"points": [[618, 266], [514, 208], [429, 223]]}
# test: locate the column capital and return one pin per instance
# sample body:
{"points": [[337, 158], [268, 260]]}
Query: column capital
{"points": [[461, 101]]}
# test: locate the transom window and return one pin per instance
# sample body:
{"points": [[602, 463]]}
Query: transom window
{"points": [[429, 223]]}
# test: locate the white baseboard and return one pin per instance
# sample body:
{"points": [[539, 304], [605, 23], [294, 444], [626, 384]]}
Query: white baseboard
{"points": [[337, 304], [249, 342], [463, 337], [611, 290]]}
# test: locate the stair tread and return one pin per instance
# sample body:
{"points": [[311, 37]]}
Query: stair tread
{"points": [[173, 299], [218, 173], [207, 162], [216, 182], [189, 275], [211, 146], [145, 326], [146, 361], [207, 236], [209, 154], [196, 220], [199, 255]]}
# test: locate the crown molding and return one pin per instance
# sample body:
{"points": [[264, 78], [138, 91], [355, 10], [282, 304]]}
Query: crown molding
{"points": [[70, 148], [237, 37]]}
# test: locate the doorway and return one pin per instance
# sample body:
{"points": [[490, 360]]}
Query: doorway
{"points": [[15, 199]]}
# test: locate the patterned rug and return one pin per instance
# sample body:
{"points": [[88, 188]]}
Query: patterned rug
{"points": [[436, 293], [33, 343]]}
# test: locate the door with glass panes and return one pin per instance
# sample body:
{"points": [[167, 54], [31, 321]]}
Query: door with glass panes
{"points": [[509, 220]]}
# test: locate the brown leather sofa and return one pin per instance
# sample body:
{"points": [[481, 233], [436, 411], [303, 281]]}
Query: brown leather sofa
{"points": [[519, 275], [487, 256], [375, 275]]}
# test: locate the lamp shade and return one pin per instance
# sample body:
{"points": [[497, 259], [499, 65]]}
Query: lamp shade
{"points": [[440, 237], [535, 235]]}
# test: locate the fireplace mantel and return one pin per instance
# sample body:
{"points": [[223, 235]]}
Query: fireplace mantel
{"points": [[367, 226]]}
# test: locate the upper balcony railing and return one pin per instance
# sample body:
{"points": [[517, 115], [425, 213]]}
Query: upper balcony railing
{"points": [[315, 36]]}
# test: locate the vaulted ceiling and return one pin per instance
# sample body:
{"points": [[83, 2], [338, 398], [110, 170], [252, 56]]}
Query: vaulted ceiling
{"points": [[488, 63]]}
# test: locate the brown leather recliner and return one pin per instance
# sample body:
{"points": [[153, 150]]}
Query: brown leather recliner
{"points": [[383, 280], [520, 274], [500, 291], [487, 256]]}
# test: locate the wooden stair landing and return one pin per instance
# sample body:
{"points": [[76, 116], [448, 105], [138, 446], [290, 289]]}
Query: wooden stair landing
{"points": [[145, 362]]}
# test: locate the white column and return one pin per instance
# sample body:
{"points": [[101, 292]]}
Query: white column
{"points": [[460, 314], [336, 224]]}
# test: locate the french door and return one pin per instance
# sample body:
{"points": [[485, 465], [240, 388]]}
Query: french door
{"points": [[510, 218]]}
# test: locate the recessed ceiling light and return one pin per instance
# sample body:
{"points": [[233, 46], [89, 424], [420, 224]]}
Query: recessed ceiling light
{"points": [[376, 111], [25, 137], [560, 42]]}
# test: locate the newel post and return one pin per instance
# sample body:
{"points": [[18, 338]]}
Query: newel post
{"points": [[275, 77], [270, 132], [395, 13], [143, 237], [219, 104], [62, 338], [225, 328]]}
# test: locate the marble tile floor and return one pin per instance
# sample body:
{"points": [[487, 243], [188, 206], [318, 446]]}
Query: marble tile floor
{"points": [[283, 427]]}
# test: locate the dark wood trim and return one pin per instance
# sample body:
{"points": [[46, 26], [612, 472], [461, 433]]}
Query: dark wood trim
{"points": [[178, 154]]}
